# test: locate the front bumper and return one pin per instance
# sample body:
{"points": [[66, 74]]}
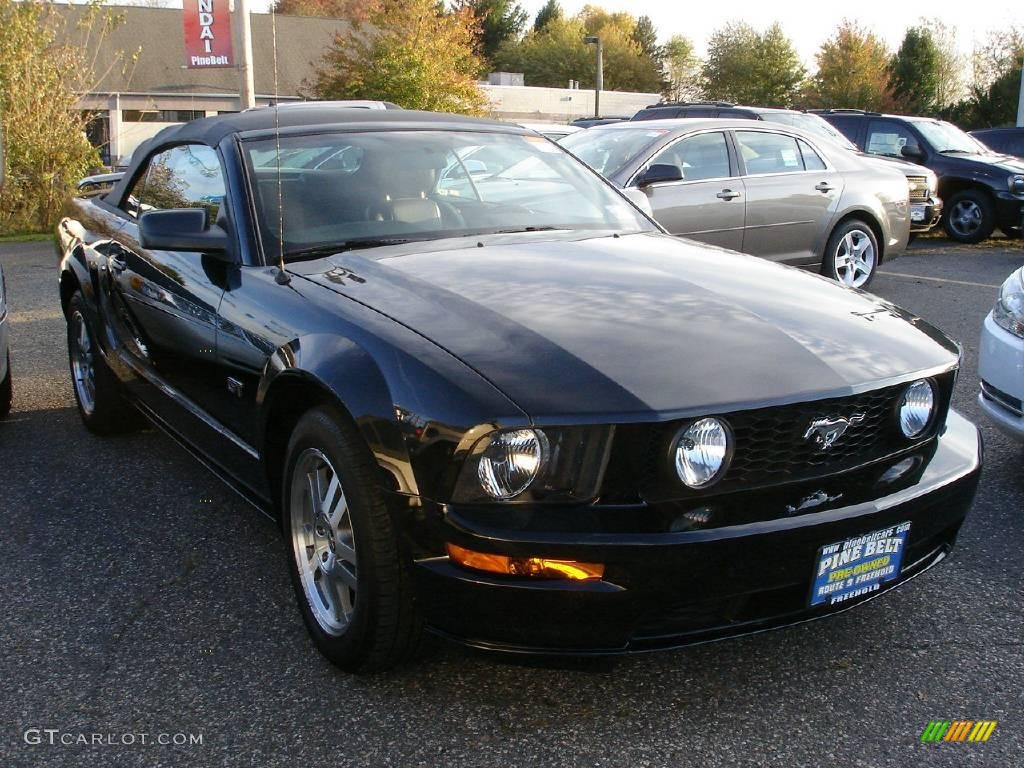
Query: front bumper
{"points": [[1001, 370], [925, 215], [1009, 212], [666, 589]]}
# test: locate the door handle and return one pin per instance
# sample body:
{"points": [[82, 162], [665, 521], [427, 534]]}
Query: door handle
{"points": [[824, 186], [727, 194], [117, 264]]}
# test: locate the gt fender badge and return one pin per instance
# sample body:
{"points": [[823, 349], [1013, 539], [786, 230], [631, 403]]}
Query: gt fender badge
{"points": [[824, 432]]}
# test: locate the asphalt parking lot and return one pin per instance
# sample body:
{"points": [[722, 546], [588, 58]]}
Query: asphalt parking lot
{"points": [[142, 597]]}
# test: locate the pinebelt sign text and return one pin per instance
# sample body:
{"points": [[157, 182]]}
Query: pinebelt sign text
{"points": [[207, 34]]}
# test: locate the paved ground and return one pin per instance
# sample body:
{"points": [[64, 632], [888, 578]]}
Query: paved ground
{"points": [[142, 597]]}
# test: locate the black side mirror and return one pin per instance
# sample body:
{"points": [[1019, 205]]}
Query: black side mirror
{"points": [[912, 152], [183, 229], [658, 173]]}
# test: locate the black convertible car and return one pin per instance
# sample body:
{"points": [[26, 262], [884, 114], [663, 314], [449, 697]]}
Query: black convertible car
{"points": [[483, 394]]}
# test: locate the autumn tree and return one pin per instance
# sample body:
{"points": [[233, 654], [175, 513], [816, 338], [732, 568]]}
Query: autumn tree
{"points": [[352, 10], [751, 67], [853, 70], [950, 83], [410, 52], [48, 56], [681, 69], [992, 97], [914, 73], [499, 21]]}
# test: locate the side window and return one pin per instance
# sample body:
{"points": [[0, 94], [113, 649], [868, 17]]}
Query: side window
{"points": [[768, 152], [132, 203], [888, 138], [812, 160], [704, 156], [187, 176], [846, 125]]}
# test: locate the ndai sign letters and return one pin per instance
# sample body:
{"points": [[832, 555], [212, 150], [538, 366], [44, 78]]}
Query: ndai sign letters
{"points": [[207, 34]]}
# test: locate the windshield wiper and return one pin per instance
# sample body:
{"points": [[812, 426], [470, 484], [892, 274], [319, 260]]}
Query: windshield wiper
{"points": [[315, 251], [514, 230], [957, 152]]}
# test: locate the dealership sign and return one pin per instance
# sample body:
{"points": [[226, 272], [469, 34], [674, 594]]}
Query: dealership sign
{"points": [[207, 34]]}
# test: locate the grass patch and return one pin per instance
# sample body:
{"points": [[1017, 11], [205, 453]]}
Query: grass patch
{"points": [[27, 237]]}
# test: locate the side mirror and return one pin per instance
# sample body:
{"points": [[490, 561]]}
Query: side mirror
{"points": [[659, 173], [183, 229], [911, 152], [639, 199]]}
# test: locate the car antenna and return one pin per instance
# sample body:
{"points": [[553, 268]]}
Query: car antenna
{"points": [[282, 277]]}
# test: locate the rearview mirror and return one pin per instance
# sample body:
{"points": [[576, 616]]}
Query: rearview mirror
{"points": [[182, 229], [659, 173]]}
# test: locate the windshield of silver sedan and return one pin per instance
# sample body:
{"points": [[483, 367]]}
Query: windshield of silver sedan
{"points": [[356, 190]]}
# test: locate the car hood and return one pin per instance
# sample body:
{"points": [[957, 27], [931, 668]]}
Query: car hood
{"points": [[987, 161], [634, 327]]}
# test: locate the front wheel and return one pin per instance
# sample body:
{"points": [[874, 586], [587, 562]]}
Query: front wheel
{"points": [[851, 256], [6, 390], [969, 216], [352, 583]]}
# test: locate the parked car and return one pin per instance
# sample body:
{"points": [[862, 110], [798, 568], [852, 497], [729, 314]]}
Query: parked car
{"points": [[553, 131], [99, 183], [925, 204], [514, 411], [1006, 141], [6, 386], [981, 189], [760, 188], [1001, 358], [590, 122]]}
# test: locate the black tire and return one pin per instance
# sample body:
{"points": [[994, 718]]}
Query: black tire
{"points": [[969, 216], [108, 413], [832, 260], [6, 391], [384, 627]]}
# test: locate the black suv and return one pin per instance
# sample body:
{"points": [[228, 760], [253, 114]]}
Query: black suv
{"points": [[1009, 141], [982, 189]]}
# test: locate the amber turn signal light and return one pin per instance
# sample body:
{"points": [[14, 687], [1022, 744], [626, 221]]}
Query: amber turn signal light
{"points": [[539, 567]]}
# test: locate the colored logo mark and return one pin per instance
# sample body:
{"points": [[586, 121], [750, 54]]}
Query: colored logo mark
{"points": [[959, 730]]}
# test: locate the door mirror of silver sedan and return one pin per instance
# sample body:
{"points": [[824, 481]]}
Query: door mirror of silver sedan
{"points": [[658, 173], [183, 229], [639, 199]]}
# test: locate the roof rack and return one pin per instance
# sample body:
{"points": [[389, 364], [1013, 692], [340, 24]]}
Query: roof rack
{"points": [[843, 111], [692, 104]]}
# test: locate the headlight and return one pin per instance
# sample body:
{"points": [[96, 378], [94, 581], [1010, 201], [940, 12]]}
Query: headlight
{"points": [[1016, 184], [1008, 313], [916, 408], [511, 462], [702, 452], [554, 464]]}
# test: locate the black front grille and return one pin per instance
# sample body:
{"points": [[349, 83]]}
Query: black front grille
{"points": [[918, 188], [770, 445]]}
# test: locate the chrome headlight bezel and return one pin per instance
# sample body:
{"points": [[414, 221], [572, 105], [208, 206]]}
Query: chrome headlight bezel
{"points": [[1008, 312], [917, 409], [721, 445]]}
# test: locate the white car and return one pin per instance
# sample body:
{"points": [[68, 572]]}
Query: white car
{"points": [[6, 390], [1001, 360]]}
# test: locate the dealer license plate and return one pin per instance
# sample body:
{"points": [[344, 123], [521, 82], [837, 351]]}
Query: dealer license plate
{"points": [[859, 566]]}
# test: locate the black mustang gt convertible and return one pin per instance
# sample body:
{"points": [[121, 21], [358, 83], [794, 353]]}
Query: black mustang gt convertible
{"points": [[485, 395]]}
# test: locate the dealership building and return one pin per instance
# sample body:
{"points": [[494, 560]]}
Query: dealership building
{"points": [[158, 88]]}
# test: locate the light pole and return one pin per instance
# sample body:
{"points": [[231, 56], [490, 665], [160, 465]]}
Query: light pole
{"points": [[243, 26], [599, 81]]}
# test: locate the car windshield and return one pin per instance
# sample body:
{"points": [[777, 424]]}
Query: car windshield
{"points": [[813, 124], [946, 137], [342, 190], [608, 151]]}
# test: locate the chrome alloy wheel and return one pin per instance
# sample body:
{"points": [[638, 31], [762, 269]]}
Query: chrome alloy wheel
{"points": [[323, 541], [83, 369], [854, 259], [965, 218]]}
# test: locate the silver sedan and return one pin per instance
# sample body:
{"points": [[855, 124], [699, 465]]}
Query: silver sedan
{"points": [[761, 188]]}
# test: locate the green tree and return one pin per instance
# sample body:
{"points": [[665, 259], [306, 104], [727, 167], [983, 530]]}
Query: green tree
{"points": [[646, 37], [410, 54], [499, 20], [681, 68], [48, 56], [992, 97], [914, 73], [549, 12], [751, 67], [352, 10], [950, 85], [853, 71]]}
